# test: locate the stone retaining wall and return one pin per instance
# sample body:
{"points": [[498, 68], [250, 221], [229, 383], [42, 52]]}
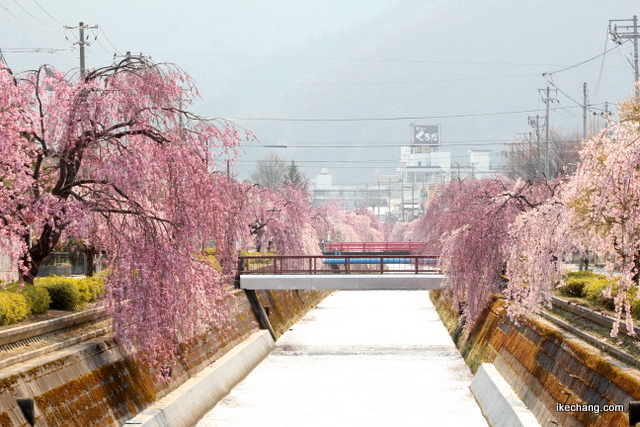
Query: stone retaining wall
{"points": [[546, 366], [97, 384]]}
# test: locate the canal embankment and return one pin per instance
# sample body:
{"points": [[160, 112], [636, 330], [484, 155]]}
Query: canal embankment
{"points": [[98, 383], [374, 358], [562, 379]]}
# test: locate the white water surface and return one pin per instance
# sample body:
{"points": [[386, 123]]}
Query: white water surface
{"points": [[361, 358]]}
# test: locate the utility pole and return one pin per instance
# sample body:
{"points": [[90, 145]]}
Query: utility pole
{"points": [[585, 95], [547, 100], [628, 29], [413, 186], [535, 122], [81, 42], [389, 199], [402, 195]]}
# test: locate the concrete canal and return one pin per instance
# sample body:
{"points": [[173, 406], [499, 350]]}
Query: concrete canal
{"points": [[374, 358]]}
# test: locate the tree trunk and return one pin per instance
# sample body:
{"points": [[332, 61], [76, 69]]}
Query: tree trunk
{"points": [[89, 254], [636, 263], [584, 261], [39, 251]]}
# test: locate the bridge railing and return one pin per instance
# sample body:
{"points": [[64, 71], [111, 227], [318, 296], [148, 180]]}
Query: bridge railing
{"points": [[338, 264], [371, 246]]}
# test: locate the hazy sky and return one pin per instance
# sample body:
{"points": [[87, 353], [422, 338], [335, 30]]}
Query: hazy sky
{"points": [[366, 69]]}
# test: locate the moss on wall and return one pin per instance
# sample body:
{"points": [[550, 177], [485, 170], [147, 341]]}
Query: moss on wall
{"points": [[554, 366], [101, 385], [286, 307]]}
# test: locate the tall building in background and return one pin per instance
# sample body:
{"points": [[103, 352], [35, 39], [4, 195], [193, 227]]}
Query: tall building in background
{"points": [[404, 195], [423, 166]]}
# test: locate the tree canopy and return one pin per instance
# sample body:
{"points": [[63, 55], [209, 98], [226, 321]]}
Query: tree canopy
{"points": [[500, 235], [116, 158], [293, 175], [270, 171]]}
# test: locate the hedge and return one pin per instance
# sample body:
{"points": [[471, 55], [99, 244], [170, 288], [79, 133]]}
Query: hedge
{"points": [[590, 286], [13, 307], [71, 294], [62, 293]]}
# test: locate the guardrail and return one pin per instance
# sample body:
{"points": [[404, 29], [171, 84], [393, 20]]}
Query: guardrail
{"points": [[15, 342], [597, 318], [371, 246], [337, 264]]}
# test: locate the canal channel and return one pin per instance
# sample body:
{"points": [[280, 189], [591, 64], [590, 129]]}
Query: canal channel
{"points": [[374, 358]]}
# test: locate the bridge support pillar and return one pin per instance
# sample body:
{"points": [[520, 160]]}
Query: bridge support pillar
{"points": [[259, 311]]}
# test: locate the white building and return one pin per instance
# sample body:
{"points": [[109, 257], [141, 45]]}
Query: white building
{"points": [[423, 166]]}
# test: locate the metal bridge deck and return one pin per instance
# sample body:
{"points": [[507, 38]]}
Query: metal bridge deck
{"points": [[390, 281], [344, 272]]}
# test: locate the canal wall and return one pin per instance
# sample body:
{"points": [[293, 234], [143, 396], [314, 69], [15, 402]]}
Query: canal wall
{"points": [[545, 366], [99, 383]]}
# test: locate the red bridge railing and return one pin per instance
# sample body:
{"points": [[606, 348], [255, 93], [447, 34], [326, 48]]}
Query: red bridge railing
{"points": [[371, 246], [338, 264]]}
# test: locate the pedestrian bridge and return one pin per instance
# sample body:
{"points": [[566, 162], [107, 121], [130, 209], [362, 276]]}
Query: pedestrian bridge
{"points": [[360, 248], [340, 272]]}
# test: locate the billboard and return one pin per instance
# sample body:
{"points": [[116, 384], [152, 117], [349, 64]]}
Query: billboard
{"points": [[426, 134], [405, 154]]}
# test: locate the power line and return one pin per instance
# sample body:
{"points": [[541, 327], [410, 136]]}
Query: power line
{"points": [[570, 98], [23, 22], [109, 41], [39, 49], [367, 83], [358, 161], [27, 12], [597, 88], [318, 58], [391, 145], [580, 63], [47, 13], [372, 119]]}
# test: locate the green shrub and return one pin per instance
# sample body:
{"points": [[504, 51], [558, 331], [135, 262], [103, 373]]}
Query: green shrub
{"points": [[96, 287], [635, 310], [64, 293], [90, 288], [83, 290], [577, 282], [71, 294], [38, 298], [585, 274], [13, 307], [594, 293], [573, 287]]}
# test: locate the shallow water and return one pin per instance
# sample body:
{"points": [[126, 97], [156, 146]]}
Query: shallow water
{"points": [[370, 358]]}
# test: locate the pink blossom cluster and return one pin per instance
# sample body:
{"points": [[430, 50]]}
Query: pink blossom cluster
{"points": [[117, 161], [499, 235], [468, 225]]}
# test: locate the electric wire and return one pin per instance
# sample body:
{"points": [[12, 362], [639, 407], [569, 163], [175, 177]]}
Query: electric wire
{"points": [[47, 13], [25, 23], [379, 60], [383, 119], [580, 63], [39, 49], [108, 40], [626, 55], [368, 83], [597, 88], [550, 81], [28, 13]]}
